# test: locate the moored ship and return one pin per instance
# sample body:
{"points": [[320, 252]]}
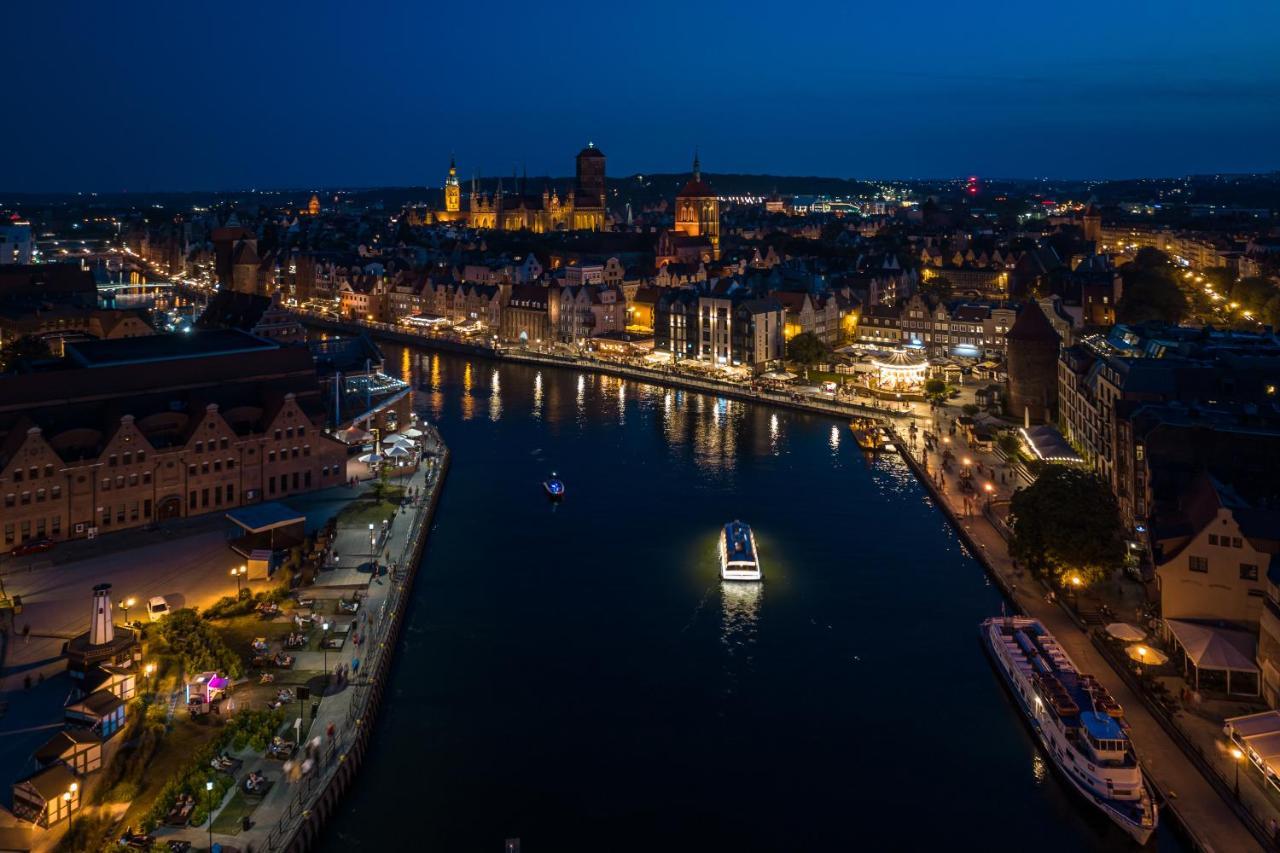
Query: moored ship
{"points": [[1077, 722], [739, 560]]}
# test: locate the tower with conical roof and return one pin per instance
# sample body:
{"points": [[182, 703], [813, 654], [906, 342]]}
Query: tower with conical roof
{"points": [[1032, 355]]}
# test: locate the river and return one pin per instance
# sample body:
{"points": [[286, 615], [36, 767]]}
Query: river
{"points": [[576, 676]]}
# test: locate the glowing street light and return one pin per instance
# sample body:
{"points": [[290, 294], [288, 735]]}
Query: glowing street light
{"points": [[1237, 755], [125, 605], [208, 786], [238, 574]]}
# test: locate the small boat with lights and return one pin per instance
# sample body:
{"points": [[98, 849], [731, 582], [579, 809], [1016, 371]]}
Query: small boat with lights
{"points": [[1076, 721], [554, 487], [739, 560]]}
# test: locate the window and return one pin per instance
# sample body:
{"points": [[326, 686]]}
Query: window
{"points": [[231, 493], [191, 470], [142, 456], [1236, 542], [1248, 572], [231, 463], [1198, 564], [10, 499], [111, 461], [8, 533], [55, 525], [48, 470], [55, 492], [191, 503], [128, 458], [225, 443], [39, 495], [277, 435], [17, 475], [1213, 539], [26, 498], [146, 476], [204, 467], [133, 479], [199, 447]]}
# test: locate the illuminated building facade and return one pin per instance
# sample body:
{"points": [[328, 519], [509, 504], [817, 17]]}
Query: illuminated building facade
{"points": [[698, 210], [581, 208]]}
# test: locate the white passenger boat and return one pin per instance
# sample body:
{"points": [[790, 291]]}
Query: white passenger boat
{"points": [[739, 560], [1077, 722]]}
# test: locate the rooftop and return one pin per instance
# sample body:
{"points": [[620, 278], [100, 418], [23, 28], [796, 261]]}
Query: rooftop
{"points": [[153, 348]]}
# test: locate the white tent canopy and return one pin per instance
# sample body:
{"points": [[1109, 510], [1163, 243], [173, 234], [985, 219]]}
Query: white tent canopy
{"points": [[413, 432], [1125, 631], [399, 452], [1258, 736], [1216, 649]]}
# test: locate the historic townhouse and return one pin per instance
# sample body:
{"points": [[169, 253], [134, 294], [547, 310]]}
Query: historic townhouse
{"points": [[218, 419]]}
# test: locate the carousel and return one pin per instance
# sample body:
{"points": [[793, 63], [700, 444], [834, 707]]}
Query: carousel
{"points": [[901, 372]]}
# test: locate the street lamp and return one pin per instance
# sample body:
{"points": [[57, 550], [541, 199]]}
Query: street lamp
{"points": [[1075, 590], [373, 545], [1237, 755], [208, 786], [324, 644], [238, 574], [125, 605], [1142, 659]]}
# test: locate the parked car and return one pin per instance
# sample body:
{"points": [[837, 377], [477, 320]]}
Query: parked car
{"points": [[157, 608], [31, 546]]}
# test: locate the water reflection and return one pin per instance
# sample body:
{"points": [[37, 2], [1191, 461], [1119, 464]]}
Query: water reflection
{"points": [[468, 401], [1039, 770], [537, 395], [495, 396], [834, 441], [739, 618]]}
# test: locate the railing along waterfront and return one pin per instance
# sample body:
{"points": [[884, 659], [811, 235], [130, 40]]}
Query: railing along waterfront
{"points": [[374, 669]]}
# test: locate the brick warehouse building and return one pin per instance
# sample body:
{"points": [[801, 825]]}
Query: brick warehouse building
{"points": [[126, 432]]}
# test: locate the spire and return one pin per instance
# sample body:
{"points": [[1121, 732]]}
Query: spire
{"points": [[697, 167], [453, 165]]}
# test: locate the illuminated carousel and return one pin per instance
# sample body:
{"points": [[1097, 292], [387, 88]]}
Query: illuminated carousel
{"points": [[901, 372]]}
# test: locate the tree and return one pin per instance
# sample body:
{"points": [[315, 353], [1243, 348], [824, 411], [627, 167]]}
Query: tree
{"points": [[969, 409], [935, 389], [806, 348], [1067, 523], [1151, 290]]}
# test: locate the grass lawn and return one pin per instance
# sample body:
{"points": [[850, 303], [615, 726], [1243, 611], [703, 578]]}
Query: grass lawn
{"points": [[229, 819], [173, 755], [239, 632], [367, 508]]}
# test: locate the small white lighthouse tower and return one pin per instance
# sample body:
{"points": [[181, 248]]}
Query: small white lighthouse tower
{"points": [[101, 631]]}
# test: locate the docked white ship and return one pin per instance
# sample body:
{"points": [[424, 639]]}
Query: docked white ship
{"points": [[1078, 723], [739, 560]]}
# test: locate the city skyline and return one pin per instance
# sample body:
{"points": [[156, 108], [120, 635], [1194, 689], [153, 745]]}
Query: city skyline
{"points": [[382, 100]]}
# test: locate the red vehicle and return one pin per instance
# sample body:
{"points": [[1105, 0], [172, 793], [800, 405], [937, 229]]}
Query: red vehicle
{"points": [[31, 546]]}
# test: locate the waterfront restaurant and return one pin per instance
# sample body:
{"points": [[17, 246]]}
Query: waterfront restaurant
{"points": [[1258, 737], [901, 372]]}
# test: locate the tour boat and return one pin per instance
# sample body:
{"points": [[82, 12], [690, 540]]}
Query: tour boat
{"points": [[554, 487], [1077, 722], [739, 560]]}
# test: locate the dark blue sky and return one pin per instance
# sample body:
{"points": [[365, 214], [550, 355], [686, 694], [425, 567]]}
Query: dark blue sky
{"points": [[179, 95]]}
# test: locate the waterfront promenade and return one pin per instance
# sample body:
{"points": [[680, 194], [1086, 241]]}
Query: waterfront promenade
{"points": [[291, 816], [1200, 809]]}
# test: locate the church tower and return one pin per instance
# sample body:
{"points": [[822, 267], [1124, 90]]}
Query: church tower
{"points": [[313, 206], [588, 191], [698, 210], [452, 191]]}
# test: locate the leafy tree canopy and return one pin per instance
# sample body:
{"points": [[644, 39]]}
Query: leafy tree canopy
{"points": [[806, 348], [1067, 523]]}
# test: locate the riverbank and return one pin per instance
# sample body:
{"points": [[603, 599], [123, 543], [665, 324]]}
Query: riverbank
{"points": [[293, 816], [669, 377], [1199, 808]]}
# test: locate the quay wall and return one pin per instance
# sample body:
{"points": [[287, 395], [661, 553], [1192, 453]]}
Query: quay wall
{"points": [[304, 831]]}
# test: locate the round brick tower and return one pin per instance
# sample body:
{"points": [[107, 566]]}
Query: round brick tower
{"points": [[1032, 352]]}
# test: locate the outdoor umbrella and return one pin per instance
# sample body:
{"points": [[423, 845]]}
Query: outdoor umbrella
{"points": [[1146, 654], [1125, 631], [370, 458], [413, 432], [399, 452], [394, 439]]}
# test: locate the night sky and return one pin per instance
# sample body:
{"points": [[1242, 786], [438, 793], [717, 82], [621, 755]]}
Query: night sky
{"points": [[176, 95]]}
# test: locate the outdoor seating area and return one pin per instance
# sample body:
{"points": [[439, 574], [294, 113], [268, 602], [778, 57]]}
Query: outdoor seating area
{"points": [[1215, 659]]}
